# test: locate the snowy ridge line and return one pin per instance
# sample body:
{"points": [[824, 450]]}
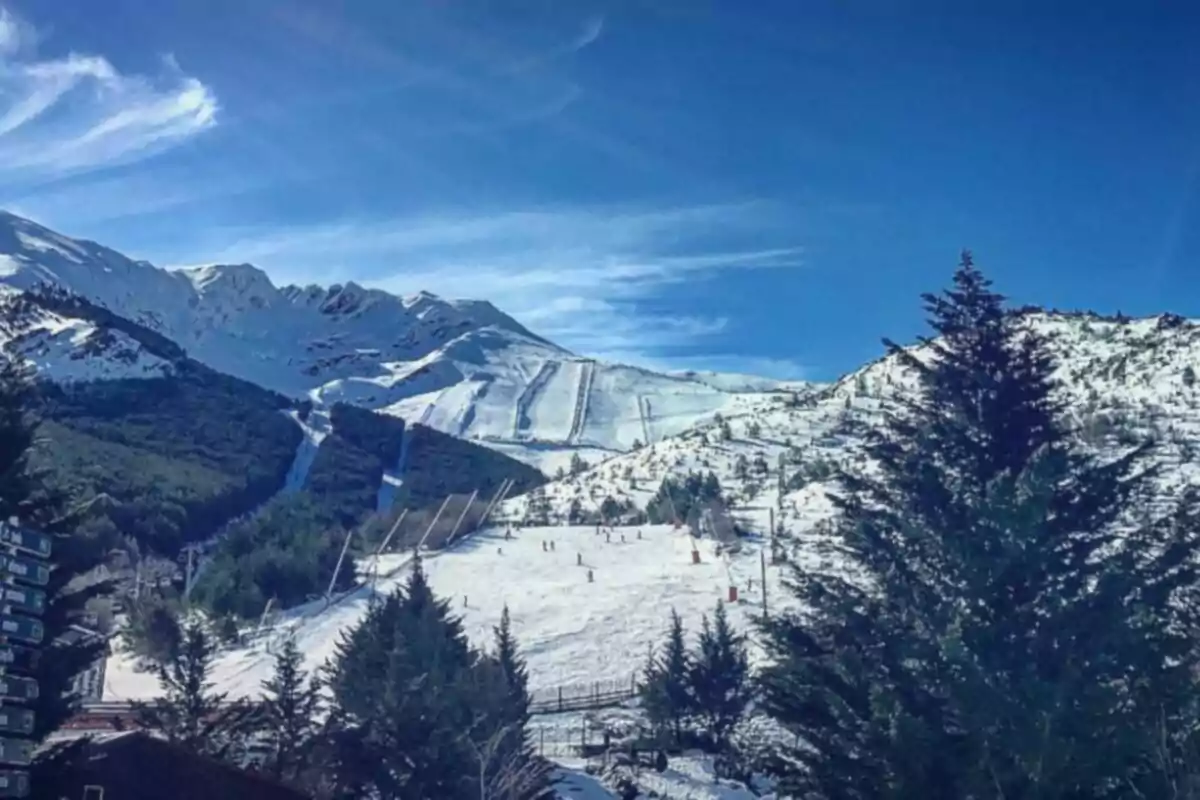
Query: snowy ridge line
{"points": [[545, 372], [417, 357], [587, 372]]}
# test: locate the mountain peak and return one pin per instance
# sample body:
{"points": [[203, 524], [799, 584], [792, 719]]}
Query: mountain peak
{"points": [[240, 284], [233, 317]]}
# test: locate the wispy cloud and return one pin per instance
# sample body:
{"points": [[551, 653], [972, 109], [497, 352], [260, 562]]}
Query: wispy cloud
{"points": [[74, 113], [493, 83], [590, 32], [594, 280]]}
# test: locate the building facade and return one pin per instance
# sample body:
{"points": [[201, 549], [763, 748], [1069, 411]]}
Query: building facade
{"points": [[89, 684]]}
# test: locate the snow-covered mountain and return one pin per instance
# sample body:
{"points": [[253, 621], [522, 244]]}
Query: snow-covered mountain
{"points": [[462, 367], [1123, 379], [585, 608], [586, 604]]}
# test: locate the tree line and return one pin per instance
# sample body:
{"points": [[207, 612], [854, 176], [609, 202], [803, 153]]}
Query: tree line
{"points": [[707, 688], [405, 709]]}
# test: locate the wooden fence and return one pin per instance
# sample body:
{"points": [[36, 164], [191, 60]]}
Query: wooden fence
{"points": [[583, 696]]}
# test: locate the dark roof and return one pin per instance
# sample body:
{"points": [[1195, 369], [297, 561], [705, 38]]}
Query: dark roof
{"points": [[77, 633], [139, 766]]}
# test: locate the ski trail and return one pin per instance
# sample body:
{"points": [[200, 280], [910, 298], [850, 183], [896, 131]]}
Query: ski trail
{"points": [[316, 427], [393, 478], [468, 415], [428, 412], [525, 401], [644, 413], [586, 373]]}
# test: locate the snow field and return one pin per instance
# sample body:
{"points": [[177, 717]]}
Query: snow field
{"points": [[240, 671], [573, 633], [551, 406]]}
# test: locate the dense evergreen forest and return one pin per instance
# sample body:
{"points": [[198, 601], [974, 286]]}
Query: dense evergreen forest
{"points": [[166, 461]]}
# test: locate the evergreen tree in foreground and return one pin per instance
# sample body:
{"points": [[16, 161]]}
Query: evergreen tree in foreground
{"points": [[189, 713], [399, 719], [516, 677], [666, 690], [720, 677], [417, 713], [290, 705], [27, 497], [507, 767], [1000, 629]]}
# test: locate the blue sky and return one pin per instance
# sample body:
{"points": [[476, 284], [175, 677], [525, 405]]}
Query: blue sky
{"points": [[762, 186]]}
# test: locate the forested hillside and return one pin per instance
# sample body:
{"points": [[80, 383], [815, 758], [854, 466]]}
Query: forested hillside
{"points": [[185, 454], [166, 461], [289, 549], [438, 464]]}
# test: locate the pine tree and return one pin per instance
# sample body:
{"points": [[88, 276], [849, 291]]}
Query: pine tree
{"points": [[741, 467], [513, 665], [516, 677], [506, 765], [290, 705], [400, 723], [712, 486], [188, 713], [720, 676], [27, 496], [666, 690], [993, 634]]}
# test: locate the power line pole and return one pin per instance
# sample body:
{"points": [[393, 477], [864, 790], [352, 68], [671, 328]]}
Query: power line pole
{"points": [[762, 563], [436, 517], [189, 575], [458, 523], [338, 568]]}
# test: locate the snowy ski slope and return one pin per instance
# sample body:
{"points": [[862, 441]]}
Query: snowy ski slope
{"points": [[1123, 380], [573, 632], [462, 367]]}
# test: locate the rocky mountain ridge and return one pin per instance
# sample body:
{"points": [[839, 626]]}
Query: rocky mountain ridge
{"points": [[461, 367]]}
